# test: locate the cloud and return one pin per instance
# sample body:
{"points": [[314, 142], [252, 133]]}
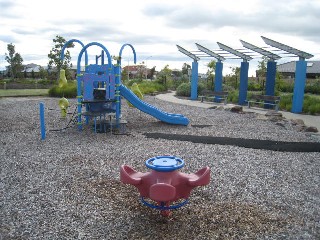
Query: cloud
{"points": [[286, 17], [8, 39], [8, 8]]}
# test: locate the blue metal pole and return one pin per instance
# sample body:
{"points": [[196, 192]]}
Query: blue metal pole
{"points": [[243, 88], [42, 121], [119, 72], [271, 77], [194, 81], [117, 82], [67, 44], [218, 77], [270, 80], [299, 85], [102, 57]]}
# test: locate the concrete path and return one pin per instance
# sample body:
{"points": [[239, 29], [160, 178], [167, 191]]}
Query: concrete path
{"points": [[309, 120]]}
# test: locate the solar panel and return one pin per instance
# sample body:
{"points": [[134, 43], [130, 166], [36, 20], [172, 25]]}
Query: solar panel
{"points": [[189, 54], [210, 53], [234, 52], [300, 54], [262, 51]]}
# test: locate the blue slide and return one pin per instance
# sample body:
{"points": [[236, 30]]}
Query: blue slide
{"points": [[171, 118]]}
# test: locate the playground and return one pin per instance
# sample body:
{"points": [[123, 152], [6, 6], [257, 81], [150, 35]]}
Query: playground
{"points": [[68, 185]]}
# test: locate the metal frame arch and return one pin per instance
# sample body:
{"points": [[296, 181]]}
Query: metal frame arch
{"points": [[85, 49], [71, 41], [133, 50]]}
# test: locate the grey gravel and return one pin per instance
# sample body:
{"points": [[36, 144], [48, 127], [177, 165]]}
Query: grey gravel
{"points": [[68, 187]]}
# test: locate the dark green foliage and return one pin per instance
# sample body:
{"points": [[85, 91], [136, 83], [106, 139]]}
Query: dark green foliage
{"points": [[185, 89], [15, 62], [284, 86], [233, 96], [132, 81], [68, 91], [147, 87], [56, 62], [311, 105], [313, 88], [286, 102], [253, 86]]}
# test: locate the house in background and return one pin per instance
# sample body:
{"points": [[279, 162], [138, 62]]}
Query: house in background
{"points": [[31, 70], [288, 69], [136, 71]]}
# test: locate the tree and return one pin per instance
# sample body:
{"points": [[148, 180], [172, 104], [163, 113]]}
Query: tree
{"points": [[234, 75], [164, 75], [151, 73], [15, 61], [211, 70], [43, 74], [185, 69], [262, 69], [54, 57]]}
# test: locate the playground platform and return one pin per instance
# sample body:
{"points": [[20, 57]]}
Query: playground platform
{"points": [[309, 120]]}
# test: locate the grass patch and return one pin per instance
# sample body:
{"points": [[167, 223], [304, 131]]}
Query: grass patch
{"points": [[23, 92]]}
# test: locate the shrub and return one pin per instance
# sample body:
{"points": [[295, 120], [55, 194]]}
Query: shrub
{"points": [[138, 81], [311, 105], [68, 91], [253, 86], [286, 102], [233, 96], [312, 88], [184, 89], [147, 87]]}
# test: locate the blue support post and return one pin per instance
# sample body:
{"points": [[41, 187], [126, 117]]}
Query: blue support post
{"points": [[42, 122], [119, 63], [270, 80], [244, 70], [218, 77], [102, 57], [299, 85], [194, 81], [271, 77], [117, 70]]}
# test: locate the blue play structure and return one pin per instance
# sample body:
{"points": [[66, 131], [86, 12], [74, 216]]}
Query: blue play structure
{"points": [[99, 90]]}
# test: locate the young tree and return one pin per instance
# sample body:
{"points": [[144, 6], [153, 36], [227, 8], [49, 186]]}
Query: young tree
{"points": [[185, 68], [211, 71], [151, 72], [235, 75], [164, 75], [43, 74], [15, 61], [54, 57], [262, 66]]}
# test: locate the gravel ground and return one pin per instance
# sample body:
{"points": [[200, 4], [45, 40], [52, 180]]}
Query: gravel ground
{"points": [[68, 187]]}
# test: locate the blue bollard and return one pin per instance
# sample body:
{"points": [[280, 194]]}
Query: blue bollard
{"points": [[42, 122]]}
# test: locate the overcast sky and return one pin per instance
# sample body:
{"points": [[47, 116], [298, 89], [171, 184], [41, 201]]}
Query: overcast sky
{"points": [[154, 27]]}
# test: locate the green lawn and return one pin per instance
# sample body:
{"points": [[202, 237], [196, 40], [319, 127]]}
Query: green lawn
{"points": [[23, 92]]}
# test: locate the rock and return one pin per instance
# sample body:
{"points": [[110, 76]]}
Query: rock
{"points": [[281, 124], [297, 122], [236, 109], [261, 117], [311, 129], [273, 114]]}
